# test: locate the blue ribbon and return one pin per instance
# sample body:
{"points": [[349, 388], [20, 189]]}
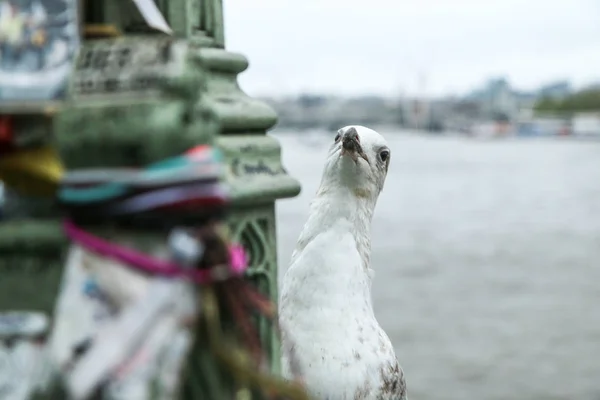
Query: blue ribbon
{"points": [[172, 167]]}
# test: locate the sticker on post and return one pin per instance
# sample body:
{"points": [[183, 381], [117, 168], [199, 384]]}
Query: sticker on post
{"points": [[129, 67], [38, 42]]}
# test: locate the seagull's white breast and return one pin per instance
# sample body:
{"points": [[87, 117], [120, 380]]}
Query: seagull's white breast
{"points": [[328, 317]]}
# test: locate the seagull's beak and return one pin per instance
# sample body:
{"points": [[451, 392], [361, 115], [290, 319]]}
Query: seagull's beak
{"points": [[351, 146]]}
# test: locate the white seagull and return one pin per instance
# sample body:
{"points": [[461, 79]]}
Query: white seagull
{"points": [[331, 340]]}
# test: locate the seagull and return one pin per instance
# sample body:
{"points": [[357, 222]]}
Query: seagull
{"points": [[331, 340]]}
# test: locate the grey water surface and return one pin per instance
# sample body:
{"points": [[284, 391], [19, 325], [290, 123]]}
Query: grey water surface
{"points": [[486, 258]]}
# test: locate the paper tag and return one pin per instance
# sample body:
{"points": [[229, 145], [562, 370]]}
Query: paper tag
{"points": [[152, 15], [117, 340], [154, 369], [80, 311], [133, 379], [172, 362], [129, 348]]}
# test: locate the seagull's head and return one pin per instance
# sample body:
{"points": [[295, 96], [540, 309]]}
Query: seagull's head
{"points": [[358, 159]]}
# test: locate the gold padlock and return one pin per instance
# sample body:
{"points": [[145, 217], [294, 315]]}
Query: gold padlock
{"points": [[35, 171]]}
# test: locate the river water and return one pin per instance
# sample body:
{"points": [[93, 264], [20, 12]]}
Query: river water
{"points": [[486, 258]]}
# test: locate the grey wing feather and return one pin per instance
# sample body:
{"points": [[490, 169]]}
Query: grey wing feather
{"points": [[393, 385]]}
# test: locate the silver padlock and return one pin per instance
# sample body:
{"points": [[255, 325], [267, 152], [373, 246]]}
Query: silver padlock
{"points": [[186, 250]]}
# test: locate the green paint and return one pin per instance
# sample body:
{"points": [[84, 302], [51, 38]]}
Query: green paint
{"points": [[198, 101]]}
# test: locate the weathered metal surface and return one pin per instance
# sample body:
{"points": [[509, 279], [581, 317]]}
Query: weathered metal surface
{"points": [[30, 264], [256, 173], [138, 99], [137, 124]]}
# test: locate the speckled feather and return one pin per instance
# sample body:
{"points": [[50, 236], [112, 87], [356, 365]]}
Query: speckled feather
{"points": [[340, 351]]}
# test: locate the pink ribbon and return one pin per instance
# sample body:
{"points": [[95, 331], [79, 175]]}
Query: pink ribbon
{"points": [[238, 261]]}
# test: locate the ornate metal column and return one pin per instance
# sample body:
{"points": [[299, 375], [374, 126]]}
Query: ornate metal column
{"points": [[30, 249], [256, 174]]}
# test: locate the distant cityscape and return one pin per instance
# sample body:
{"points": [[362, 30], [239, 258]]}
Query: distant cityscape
{"points": [[495, 108]]}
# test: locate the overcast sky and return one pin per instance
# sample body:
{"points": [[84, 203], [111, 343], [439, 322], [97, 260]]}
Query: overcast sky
{"points": [[390, 46]]}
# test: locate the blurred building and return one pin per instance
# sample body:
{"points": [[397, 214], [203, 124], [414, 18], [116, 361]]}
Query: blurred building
{"points": [[331, 112], [496, 99], [495, 104]]}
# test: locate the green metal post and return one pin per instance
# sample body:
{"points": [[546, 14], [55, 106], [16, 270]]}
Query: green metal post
{"points": [[256, 173], [100, 132]]}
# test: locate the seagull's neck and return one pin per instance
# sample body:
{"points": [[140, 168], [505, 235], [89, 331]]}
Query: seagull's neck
{"points": [[340, 204]]}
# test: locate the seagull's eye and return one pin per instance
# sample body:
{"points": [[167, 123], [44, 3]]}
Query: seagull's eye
{"points": [[337, 137], [384, 155]]}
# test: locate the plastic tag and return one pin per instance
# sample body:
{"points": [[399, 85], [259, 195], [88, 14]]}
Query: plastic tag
{"points": [[152, 15], [117, 340]]}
